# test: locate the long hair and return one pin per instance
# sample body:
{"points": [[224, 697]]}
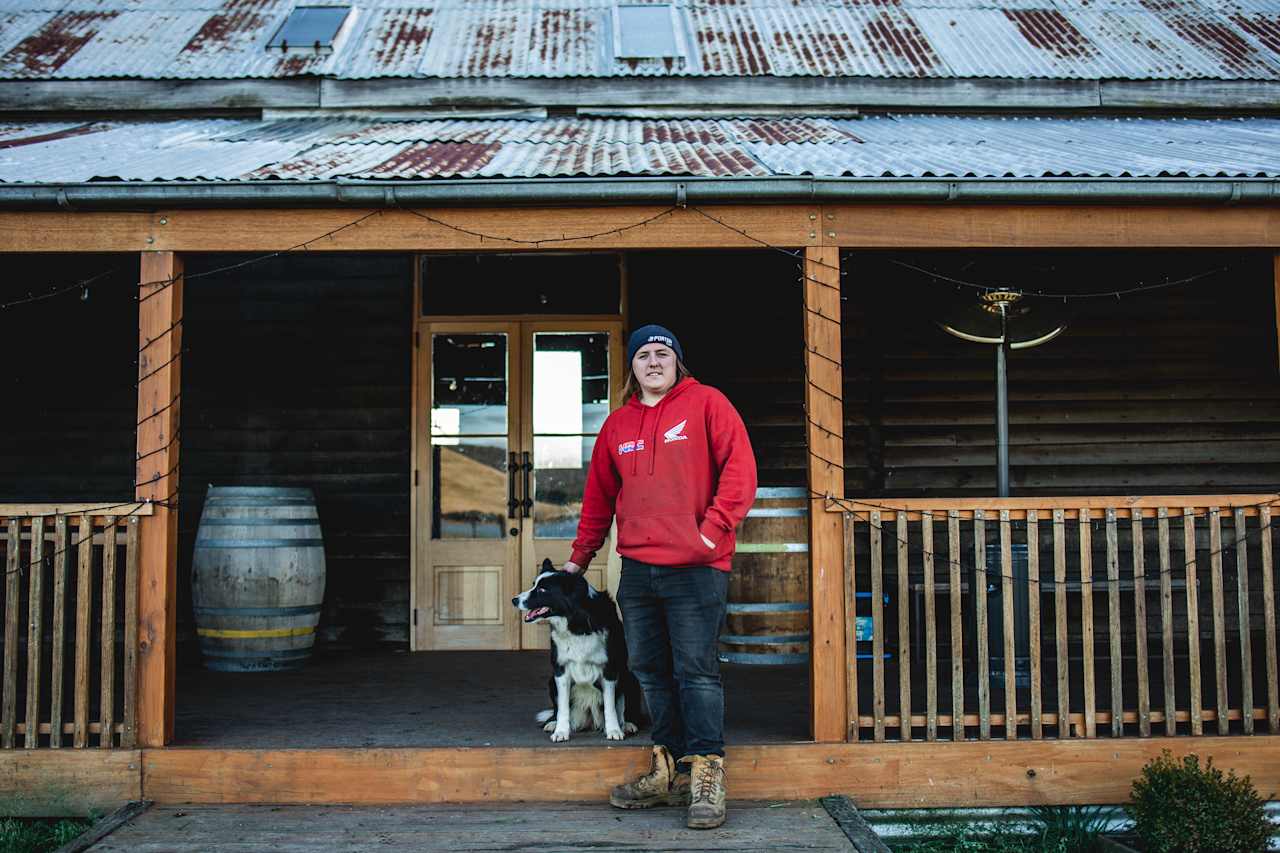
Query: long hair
{"points": [[631, 387]]}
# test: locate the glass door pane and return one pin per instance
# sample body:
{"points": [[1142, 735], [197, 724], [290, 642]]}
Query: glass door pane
{"points": [[570, 403], [469, 436]]}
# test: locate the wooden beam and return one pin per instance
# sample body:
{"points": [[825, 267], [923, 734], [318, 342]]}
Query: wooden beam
{"points": [[889, 775], [68, 782], [824, 404], [1044, 226], [156, 476], [914, 226]]}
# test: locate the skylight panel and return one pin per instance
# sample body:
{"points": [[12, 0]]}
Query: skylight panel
{"points": [[646, 32], [310, 27]]}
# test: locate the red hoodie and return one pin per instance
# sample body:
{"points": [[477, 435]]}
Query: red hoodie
{"points": [[669, 472]]}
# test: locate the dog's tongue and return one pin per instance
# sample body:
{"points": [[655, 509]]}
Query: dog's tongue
{"points": [[534, 614]]}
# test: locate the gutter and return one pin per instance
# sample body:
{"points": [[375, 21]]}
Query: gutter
{"points": [[545, 192]]}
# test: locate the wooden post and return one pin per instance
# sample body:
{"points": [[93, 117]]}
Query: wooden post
{"points": [[824, 403], [156, 476]]}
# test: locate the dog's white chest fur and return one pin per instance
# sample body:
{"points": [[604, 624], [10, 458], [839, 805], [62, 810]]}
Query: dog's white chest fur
{"points": [[582, 655]]}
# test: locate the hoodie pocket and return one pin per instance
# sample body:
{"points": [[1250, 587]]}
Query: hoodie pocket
{"points": [[665, 540]]}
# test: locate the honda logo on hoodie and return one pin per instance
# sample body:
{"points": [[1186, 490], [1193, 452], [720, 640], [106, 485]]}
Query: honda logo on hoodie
{"points": [[676, 433]]}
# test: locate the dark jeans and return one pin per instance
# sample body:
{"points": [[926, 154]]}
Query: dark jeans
{"points": [[672, 620]]}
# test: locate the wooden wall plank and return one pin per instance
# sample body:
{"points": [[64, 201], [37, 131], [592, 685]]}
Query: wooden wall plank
{"points": [[853, 226], [980, 580], [1219, 618], [107, 662], [35, 633], [957, 625], [1061, 652], [1006, 612], [1113, 625], [1193, 623], [904, 630], [1033, 619], [1086, 624], [851, 625], [828, 664], [892, 775], [930, 630], [129, 737], [57, 657], [84, 617], [1240, 532], [160, 382], [1096, 226], [12, 587], [1166, 623], [1269, 620], [877, 626], [1142, 650], [68, 782]]}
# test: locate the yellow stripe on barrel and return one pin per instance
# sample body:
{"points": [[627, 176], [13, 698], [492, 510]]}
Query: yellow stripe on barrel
{"points": [[245, 634]]}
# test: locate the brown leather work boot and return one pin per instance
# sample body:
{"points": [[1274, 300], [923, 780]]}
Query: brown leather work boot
{"points": [[661, 786], [706, 807]]}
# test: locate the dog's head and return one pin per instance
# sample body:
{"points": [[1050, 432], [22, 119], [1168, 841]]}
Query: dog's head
{"points": [[554, 593]]}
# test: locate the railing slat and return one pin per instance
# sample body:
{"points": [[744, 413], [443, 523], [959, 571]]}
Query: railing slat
{"points": [[57, 654], [957, 626], [1086, 624], [1033, 607], [1140, 627], [1166, 623], [1193, 623], [129, 737], [1006, 612], [84, 613], [980, 607], [1113, 625], [1061, 647], [930, 631], [1269, 621], [35, 632], [877, 625], [12, 591], [107, 704], [904, 629], [1242, 603], [1219, 618]]}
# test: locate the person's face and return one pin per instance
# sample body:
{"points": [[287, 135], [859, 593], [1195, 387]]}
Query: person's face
{"points": [[655, 368]]}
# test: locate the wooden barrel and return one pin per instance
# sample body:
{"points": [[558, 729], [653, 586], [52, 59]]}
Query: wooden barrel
{"points": [[257, 578], [767, 618]]}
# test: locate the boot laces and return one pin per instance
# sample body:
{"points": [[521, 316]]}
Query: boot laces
{"points": [[709, 775]]}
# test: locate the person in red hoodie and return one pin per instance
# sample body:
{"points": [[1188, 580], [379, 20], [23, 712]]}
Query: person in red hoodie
{"points": [[674, 465]]}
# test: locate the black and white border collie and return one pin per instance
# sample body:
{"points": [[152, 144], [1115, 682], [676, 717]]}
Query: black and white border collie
{"points": [[591, 686]]}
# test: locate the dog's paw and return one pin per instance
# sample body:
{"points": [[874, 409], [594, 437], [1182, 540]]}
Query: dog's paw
{"points": [[550, 726], [614, 734], [630, 728], [560, 735]]}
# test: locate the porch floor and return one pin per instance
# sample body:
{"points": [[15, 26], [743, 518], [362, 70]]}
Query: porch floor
{"points": [[802, 825], [439, 699]]}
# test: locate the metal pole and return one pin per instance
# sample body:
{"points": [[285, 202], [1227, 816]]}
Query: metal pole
{"points": [[1002, 408]]}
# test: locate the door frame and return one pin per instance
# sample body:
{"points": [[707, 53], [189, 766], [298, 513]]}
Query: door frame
{"points": [[519, 326]]}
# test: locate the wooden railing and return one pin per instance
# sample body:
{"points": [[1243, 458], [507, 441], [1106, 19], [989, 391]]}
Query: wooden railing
{"points": [[71, 577], [1103, 617]]}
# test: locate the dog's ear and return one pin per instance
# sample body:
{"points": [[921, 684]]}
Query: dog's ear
{"points": [[548, 566]]}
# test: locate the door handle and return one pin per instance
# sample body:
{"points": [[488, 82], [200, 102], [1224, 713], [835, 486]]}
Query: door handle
{"points": [[527, 504], [513, 503]]}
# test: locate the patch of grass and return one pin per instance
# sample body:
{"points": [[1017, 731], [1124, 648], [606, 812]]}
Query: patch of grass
{"points": [[1053, 829], [36, 835]]}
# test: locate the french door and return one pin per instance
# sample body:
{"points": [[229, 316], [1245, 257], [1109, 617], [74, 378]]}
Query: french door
{"points": [[506, 416]]}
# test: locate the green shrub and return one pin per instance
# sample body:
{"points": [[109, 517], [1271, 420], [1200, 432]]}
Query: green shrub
{"points": [[1074, 829], [1180, 807]]}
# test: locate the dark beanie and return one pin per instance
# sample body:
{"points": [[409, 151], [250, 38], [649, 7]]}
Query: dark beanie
{"points": [[652, 334]]}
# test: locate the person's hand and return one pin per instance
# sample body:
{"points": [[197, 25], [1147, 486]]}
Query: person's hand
{"points": [[710, 545], [571, 567]]}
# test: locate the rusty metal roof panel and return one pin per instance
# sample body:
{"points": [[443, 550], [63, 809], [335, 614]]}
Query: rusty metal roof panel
{"points": [[876, 146]]}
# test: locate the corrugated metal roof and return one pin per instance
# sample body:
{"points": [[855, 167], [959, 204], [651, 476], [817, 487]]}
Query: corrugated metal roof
{"points": [[871, 147], [1045, 39]]}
